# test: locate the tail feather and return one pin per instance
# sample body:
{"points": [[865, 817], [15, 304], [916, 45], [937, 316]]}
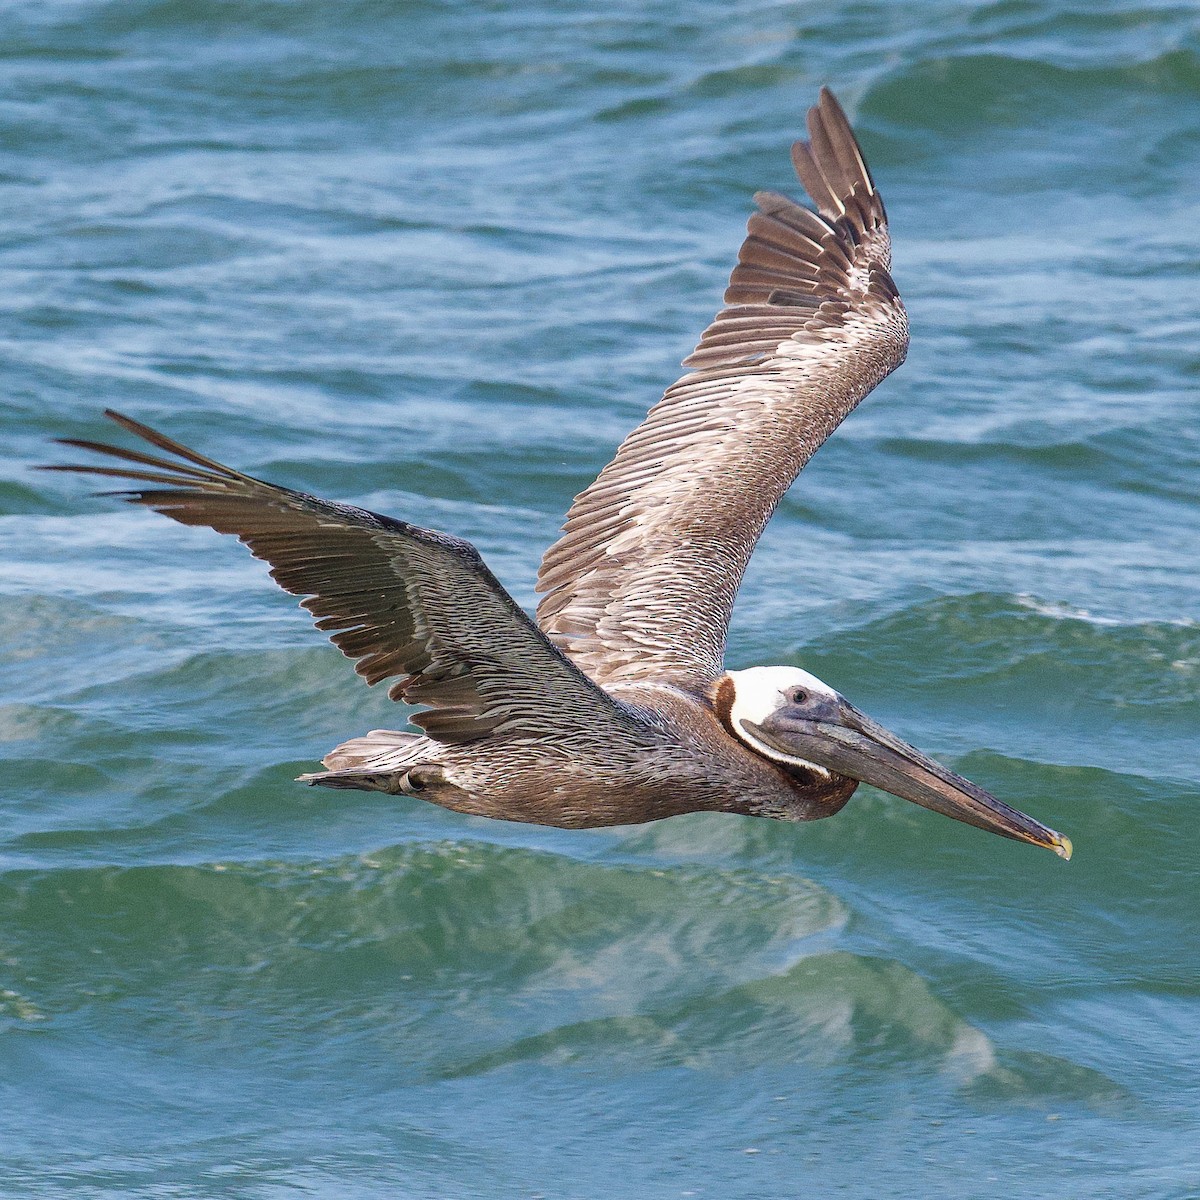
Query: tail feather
{"points": [[387, 745], [385, 760]]}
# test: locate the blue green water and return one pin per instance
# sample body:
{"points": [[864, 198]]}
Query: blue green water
{"points": [[437, 258]]}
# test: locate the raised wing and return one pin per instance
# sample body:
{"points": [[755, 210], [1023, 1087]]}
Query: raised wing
{"points": [[405, 603], [641, 584]]}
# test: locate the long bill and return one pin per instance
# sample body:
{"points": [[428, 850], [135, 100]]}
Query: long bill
{"points": [[860, 748]]}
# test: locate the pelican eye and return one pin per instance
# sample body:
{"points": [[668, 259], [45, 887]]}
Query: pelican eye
{"points": [[799, 696]]}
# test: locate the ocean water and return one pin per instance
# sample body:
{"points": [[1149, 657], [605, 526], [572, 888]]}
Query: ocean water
{"points": [[437, 258]]}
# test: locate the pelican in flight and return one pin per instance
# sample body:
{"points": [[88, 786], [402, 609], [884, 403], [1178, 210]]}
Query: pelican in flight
{"points": [[614, 706]]}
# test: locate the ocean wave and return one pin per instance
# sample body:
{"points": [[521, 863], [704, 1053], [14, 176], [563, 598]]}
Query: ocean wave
{"points": [[1005, 645], [998, 90]]}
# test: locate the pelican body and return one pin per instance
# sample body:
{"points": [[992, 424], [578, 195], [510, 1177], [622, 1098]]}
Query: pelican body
{"points": [[614, 706]]}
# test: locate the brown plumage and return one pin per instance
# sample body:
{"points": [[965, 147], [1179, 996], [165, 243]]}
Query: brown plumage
{"points": [[615, 707]]}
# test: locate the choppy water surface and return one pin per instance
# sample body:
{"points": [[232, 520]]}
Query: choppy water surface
{"points": [[437, 258]]}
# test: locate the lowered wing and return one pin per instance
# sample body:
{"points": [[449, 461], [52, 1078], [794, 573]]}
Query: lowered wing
{"points": [[405, 603]]}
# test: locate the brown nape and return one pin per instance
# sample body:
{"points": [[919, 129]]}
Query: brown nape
{"points": [[722, 702]]}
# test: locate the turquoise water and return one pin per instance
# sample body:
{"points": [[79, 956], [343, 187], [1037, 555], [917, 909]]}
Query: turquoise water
{"points": [[437, 258]]}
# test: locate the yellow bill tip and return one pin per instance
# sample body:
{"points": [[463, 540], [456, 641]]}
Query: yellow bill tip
{"points": [[1062, 846]]}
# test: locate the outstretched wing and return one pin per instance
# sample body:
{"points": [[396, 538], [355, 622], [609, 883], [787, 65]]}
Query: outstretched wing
{"points": [[406, 603], [642, 582]]}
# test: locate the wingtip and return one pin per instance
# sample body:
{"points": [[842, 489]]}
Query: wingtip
{"points": [[128, 422], [826, 99]]}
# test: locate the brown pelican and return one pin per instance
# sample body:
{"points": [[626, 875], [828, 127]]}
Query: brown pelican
{"points": [[614, 707]]}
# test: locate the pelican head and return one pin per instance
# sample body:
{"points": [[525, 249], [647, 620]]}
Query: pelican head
{"points": [[794, 719]]}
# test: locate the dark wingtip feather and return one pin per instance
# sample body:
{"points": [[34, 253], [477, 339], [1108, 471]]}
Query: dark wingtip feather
{"points": [[826, 99], [178, 471], [116, 473], [170, 445], [809, 172]]}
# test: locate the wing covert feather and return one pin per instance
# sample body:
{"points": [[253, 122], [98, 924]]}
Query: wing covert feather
{"points": [[642, 582]]}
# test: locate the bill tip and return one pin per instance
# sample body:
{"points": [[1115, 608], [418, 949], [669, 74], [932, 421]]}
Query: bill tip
{"points": [[1062, 846]]}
